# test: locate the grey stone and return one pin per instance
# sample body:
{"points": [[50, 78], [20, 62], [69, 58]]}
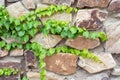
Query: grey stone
{"points": [[29, 4], [50, 76], [115, 78], [16, 52], [59, 16], [47, 41], [58, 63], [3, 53], [116, 71], [16, 10], [107, 62], [93, 3], [113, 31], [81, 43], [2, 2], [58, 2], [40, 5], [91, 19], [12, 0]]}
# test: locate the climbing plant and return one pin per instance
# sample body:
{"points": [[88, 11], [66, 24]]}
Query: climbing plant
{"points": [[26, 27], [8, 71]]}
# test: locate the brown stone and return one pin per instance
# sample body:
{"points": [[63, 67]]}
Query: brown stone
{"points": [[16, 52], [30, 60], [58, 2], [62, 63], [91, 19], [114, 6], [3, 53], [93, 3], [15, 65], [29, 4], [81, 43]]}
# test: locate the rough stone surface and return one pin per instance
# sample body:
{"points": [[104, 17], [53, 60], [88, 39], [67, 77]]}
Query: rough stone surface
{"points": [[3, 53], [9, 40], [93, 3], [113, 42], [12, 0], [47, 41], [39, 5], [49, 75], [2, 2], [107, 62], [30, 60], [101, 76], [91, 19], [59, 16], [29, 4], [58, 2], [16, 52], [61, 63], [114, 6], [16, 10], [116, 71], [81, 43]]}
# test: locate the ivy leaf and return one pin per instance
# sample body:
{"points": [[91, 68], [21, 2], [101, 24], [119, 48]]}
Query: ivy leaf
{"points": [[51, 51], [1, 72], [43, 72], [17, 28], [17, 22], [21, 33], [42, 64], [73, 30], [2, 44], [86, 34], [8, 47], [24, 78], [26, 38], [102, 36], [63, 34]]}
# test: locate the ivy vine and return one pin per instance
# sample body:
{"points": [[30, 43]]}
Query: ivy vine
{"points": [[8, 71], [27, 26]]}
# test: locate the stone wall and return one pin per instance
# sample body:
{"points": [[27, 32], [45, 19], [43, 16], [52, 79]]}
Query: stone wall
{"points": [[97, 15]]}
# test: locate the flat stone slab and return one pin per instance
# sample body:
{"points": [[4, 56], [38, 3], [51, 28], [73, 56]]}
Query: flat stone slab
{"points": [[16, 52], [62, 63], [91, 19], [82, 43], [3, 53], [16, 10], [58, 2], [93, 3], [114, 6], [59, 16], [107, 62], [29, 4], [47, 41]]}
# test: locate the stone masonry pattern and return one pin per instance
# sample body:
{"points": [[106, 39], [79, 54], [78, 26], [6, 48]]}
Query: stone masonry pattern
{"points": [[94, 15]]}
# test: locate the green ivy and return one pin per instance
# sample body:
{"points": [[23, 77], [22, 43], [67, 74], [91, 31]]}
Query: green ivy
{"points": [[8, 71], [27, 26], [66, 31], [50, 10]]}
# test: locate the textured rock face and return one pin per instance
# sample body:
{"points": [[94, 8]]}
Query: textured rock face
{"points": [[30, 60], [81, 43], [58, 2], [101, 76], [47, 41], [62, 63], [12, 0], [3, 53], [91, 19], [16, 52], [94, 67], [2, 2], [114, 6], [113, 42], [16, 10], [29, 4], [59, 16], [93, 3], [49, 75]]}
